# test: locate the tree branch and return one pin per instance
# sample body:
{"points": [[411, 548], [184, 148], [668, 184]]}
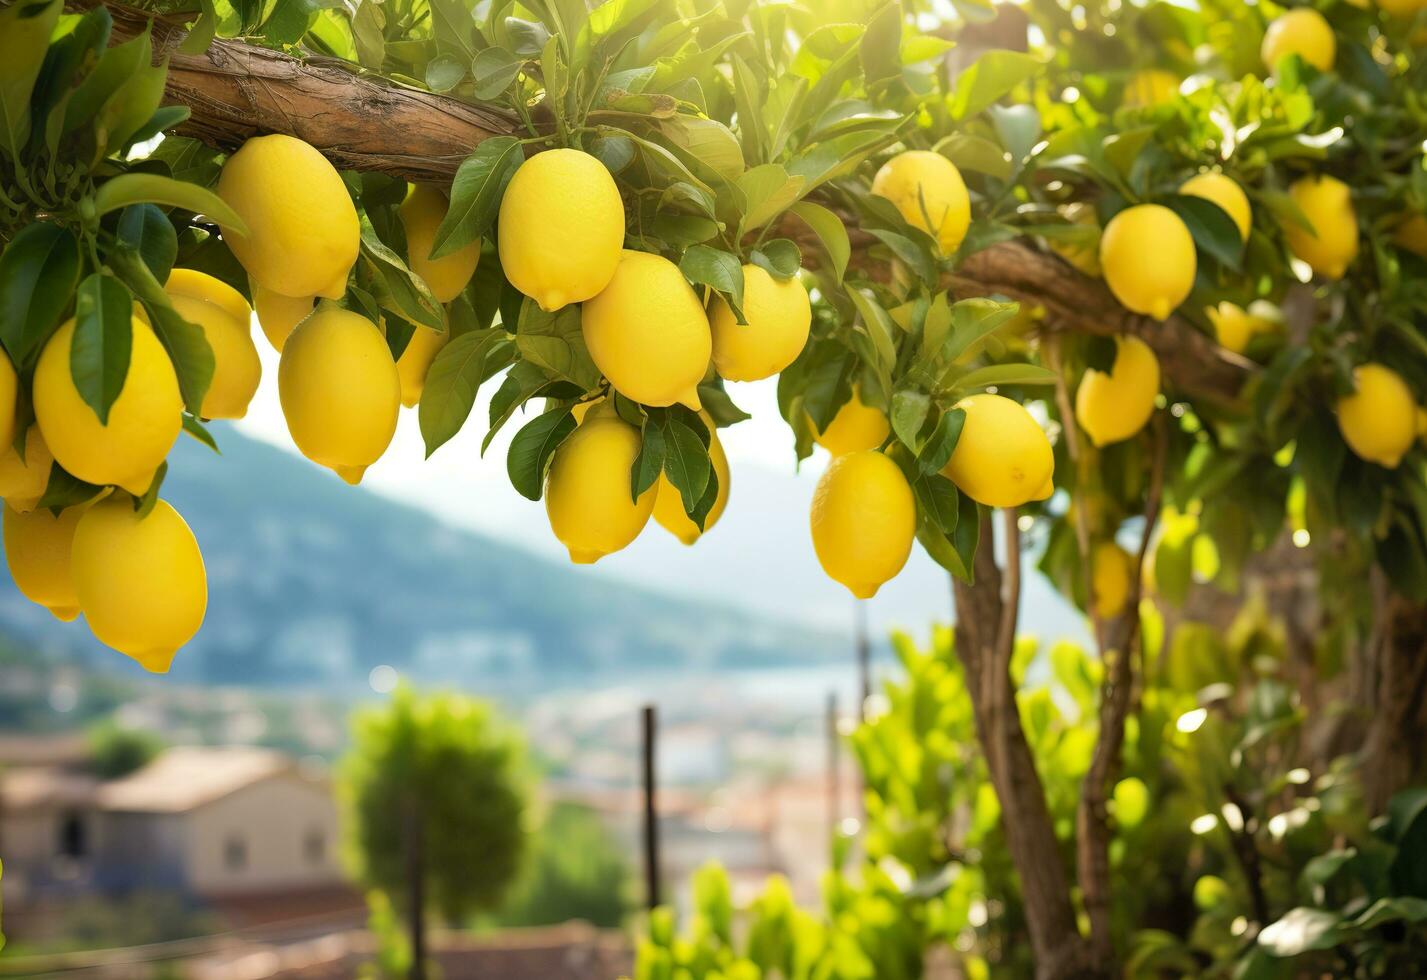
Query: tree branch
{"points": [[361, 122]]}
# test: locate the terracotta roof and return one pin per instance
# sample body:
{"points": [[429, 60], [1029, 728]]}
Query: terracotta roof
{"points": [[71, 749], [37, 787], [184, 778]]}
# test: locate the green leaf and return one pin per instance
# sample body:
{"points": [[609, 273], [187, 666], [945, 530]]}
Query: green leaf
{"points": [[1300, 931], [147, 230], [720, 407], [780, 258], [25, 29], [830, 232], [972, 320], [532, 448], [764, 193], [64, 490], [200, 432], [990, 77], [942, 443], [493, 71], [1214, 232], [556, 343], [116, 66], [476, 192], [39, 270], [909, 413], [1005, 374], [716, 268], [187, 346], [103, 337], [650, 461], [878, 327], [976, 153], [881, 46], [395, 286], [939, 500], [144, 504], [444, 72], [454, 378], [708, 141], [136, 188], [522, 382], [916, 256], [686, 461]]}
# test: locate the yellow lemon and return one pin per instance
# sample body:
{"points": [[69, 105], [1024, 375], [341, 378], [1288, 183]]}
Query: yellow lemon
{"points": [[1151, 87], [647, 332], [1114, 407], [561, 228], [1236, 327], [37, 549], [779, 316], [669, 504], [1083, 255], [1111, 575], [340, 391], [1148, 257], [421, 214], [143, 422], [226, 320], [1002, 458], [928, 190], [1402, 8], [1302, 31], [415, 362], [1223, 191], [302, 230], [587, 492], [9, 390], [855, 426], [278, 314], [23, 480], [140, 580], [864, 518], [1379, 419], [1332, 245], [1411, 234]]}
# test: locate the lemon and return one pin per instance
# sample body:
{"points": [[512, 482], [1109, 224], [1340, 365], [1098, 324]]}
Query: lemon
{"points": [[415, 361], [1402, 8], [226, 320], [303, 235], [1223, 191], [37, 549], [9, 390], [143, 422], [1002, 458], [1151, 87], [928, 190], [23, 480], [669, 504], [140, 580], [779, 316], [1332, 245], [1379, 419], [1236, 327], [855, 426], [587, 491], [1114, 407], [1111, 574], [1302, 31], [1411, 234], [278, 314], [1147, 255], [864, 518], [647, 332], [340, 391], [561, 228], [1085, 255], [421, 214]]}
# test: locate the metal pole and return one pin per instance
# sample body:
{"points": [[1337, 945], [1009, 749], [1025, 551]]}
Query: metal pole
{"points": [[864, 660], [651, 818], [416, 884]]}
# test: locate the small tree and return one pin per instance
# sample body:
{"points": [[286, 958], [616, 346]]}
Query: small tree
{"points": [[115, 751], [434, 801]]}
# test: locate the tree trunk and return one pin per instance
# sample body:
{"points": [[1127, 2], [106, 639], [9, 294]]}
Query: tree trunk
{"points": [[1057, 946], [1393, 750]]}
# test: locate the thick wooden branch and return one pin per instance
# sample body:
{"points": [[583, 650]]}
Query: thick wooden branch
{"points": [[360, 122]]}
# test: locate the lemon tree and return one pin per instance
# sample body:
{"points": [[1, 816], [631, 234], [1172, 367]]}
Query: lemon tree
{"points": [[1141, 282]]}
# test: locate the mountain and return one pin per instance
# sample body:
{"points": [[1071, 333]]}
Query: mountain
{"points": [[313, 583]]}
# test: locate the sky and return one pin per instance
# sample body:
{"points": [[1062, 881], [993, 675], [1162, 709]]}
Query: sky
{"points": [[759, 556]]}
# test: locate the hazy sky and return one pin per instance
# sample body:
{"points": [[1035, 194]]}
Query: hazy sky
{"points": [[760, 554]]}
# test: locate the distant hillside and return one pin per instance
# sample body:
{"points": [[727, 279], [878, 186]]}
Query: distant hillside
{"points": [[314, 583]]}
